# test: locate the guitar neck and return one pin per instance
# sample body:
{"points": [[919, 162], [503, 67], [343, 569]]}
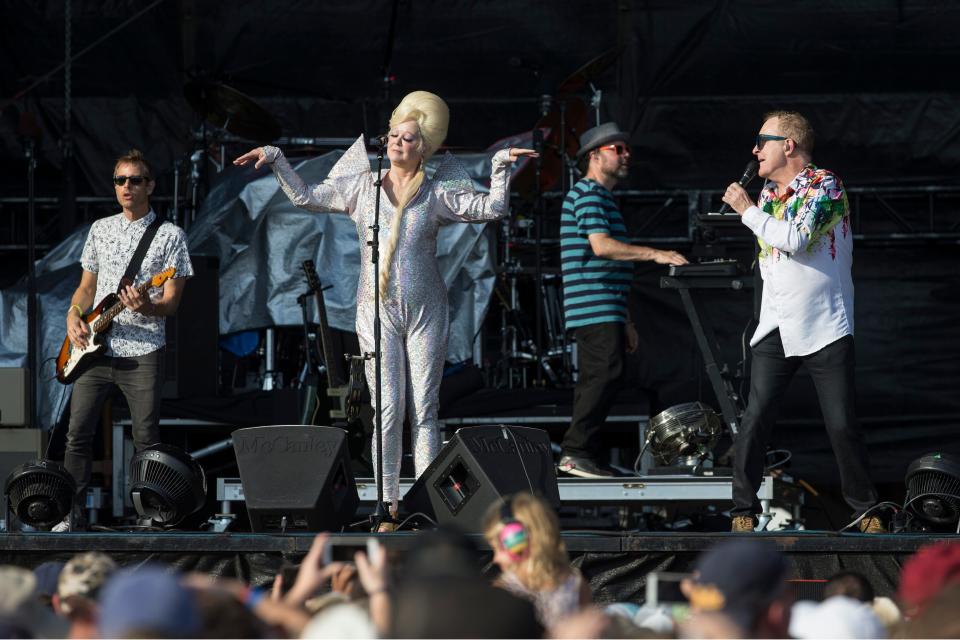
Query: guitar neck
{"points": [[114, 310]]}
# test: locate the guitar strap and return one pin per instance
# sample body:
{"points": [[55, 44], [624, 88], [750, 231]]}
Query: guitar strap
{"points": [[137, 260]]}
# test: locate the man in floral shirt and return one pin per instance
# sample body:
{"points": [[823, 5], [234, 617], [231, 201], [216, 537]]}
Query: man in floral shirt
{"points": [[802, 224], [133, 359]]}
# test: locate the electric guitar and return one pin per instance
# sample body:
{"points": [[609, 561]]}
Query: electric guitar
{"points": [[344, 388], [73, 360]]}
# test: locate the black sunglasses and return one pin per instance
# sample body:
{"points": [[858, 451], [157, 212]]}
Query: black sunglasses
{"points": [[134, 180], [763, 137]]}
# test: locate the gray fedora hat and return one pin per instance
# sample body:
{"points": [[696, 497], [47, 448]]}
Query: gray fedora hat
{"points": [[599, 136]]}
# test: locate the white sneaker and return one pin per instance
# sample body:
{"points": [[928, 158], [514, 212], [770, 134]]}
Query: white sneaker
{"points": [[61, 527]]}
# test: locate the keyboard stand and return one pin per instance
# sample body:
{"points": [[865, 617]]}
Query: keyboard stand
{"points": [[731, 404]]}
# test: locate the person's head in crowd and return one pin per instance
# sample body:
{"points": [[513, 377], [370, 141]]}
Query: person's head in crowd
{"points": [[744, 581], [887, 612], [926, 573], [343, 620], [938, 618], [147, 602], [47, 574], [850, 584], [442, 593], [460, 607], [22, 611], [78, 587], [223, 616], [444, 551], [524, 533], [836, 617]]}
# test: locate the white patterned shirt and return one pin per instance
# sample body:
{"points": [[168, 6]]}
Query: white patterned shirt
{"points": [[107, 252], [806, 255]]}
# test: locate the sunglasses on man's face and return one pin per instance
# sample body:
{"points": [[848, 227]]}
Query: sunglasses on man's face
{"points": [[763, 137], [619, 148], [136, 181]]}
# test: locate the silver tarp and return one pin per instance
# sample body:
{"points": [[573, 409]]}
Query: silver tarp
{"points": [[261, 240]]}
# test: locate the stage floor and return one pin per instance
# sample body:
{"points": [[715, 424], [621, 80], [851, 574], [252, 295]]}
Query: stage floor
{"points": [[615, 563]]}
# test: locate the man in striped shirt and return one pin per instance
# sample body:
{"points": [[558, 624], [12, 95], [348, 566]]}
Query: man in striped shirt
{"points": [[596, 257]]}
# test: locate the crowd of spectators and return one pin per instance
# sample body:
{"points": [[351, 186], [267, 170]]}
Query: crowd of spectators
{"points": [[740, 588]]}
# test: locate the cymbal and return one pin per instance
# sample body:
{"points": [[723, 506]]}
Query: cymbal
{"points": [[552, 162], [226, 108], [590, 71]]}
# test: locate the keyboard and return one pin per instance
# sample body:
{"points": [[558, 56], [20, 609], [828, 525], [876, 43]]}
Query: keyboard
{"points": [[717, 268]]}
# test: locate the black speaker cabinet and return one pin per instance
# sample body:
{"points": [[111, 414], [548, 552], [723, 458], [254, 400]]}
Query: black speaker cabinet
{"points": [[296, 478], [479, 466]]}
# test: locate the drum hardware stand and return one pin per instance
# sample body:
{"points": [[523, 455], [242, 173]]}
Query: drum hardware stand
{"points": [[539, 216], [30, 152]]}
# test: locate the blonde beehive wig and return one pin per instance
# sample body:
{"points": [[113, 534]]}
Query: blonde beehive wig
{"points": [[432, 116]]}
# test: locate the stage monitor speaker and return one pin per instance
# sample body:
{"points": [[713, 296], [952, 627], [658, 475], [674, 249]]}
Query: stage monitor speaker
{"points": [[296, 478], [479, 466], [191, 365]]}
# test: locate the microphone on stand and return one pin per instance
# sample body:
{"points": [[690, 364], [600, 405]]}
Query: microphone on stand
{"points": [[381, 139], [749, 173]]}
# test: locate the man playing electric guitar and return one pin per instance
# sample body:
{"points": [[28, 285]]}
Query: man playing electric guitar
{"points": [[133, 244]]}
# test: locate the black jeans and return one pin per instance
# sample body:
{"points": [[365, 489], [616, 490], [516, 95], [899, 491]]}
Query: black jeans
{"points": [[599, 367], [140, 380], [832, 371]]}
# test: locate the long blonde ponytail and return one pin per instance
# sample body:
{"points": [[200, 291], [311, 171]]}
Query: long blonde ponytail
{"points": [[403, 199]]}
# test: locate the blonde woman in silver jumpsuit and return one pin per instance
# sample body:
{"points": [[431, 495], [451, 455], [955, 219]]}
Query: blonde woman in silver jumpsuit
{"points": [[413, 297]]}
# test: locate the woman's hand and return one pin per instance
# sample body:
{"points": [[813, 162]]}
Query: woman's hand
{"points": [[516, 152], [254, 154]]}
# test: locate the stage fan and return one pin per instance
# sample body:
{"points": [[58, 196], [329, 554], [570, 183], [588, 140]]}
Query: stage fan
{"points": [[39, 494], [166, 485], [933, 489]]}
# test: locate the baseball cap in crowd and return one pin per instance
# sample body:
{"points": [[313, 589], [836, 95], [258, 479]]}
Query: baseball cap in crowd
{"points": [[926, 573], [47, 574], [148, 600], [21, 612], [836, 617], [738, 578], [600, 135], [83, 576]]}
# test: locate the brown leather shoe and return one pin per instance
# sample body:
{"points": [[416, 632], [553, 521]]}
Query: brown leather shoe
{"points": [[387, 526], [743, 524], [872, 524]]}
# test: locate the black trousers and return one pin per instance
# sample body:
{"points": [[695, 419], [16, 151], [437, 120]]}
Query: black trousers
{"points": [[599, 366], [140, 380], [832, 371]]}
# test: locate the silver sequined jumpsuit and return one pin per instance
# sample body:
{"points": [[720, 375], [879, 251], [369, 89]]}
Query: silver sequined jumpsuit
{"points": [[413, 314]]}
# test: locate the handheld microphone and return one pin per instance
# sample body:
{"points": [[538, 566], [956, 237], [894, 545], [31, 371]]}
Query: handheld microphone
{"points": [[749, 173]]}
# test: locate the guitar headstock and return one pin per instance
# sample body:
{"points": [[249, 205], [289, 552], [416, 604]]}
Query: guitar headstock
{"points": [[162, 277], [310, 271]]}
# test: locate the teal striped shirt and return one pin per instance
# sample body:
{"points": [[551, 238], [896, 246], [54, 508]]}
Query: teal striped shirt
{"points": [[594, 288]]}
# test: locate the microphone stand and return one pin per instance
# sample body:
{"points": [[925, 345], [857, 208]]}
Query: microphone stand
{"points": [[540, 148], [381, 514]]}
